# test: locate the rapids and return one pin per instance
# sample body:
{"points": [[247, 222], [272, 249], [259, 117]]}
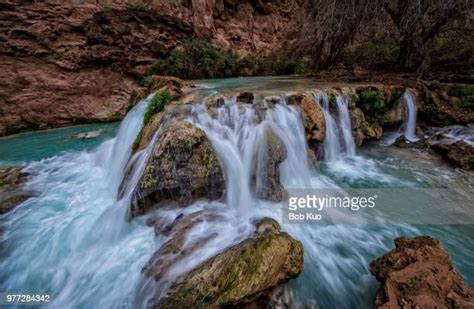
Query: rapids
{"points": [[73, 239]]}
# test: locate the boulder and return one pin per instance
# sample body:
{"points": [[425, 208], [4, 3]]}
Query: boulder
{"points": [[418, 273], [182, 168], [12, 192], [460, 153], [239, 274], [313, 118]]}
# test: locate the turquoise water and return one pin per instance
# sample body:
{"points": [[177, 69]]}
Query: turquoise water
{"points": [[73, 239], [33, 146]]}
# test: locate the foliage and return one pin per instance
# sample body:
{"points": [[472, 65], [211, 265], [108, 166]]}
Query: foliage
{"points": [[465, 94], [140, 7], [199, 59], [372, 104], [373, 53], [332, 100], [156, 105]]}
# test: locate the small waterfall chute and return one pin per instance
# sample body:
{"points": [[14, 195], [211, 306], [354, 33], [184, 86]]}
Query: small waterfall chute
{"points": [[409, 125], [338, 140]]}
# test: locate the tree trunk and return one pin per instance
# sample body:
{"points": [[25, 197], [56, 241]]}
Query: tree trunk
{"points": [[411, 54]]}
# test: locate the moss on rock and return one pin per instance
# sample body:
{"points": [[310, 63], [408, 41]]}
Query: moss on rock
{"points": [[12, 193], [241, 273], [182, 168]]}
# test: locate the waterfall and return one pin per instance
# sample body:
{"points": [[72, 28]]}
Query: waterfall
{"points": [[345, 124], [120, 147], [76, 242], [238, 135], [410, 119], [338, 139]]}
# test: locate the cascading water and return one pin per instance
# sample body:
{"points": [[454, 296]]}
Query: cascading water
{"points": [[345, 125], [332, 146], [73, 240], [410, 119], [339, 139]]}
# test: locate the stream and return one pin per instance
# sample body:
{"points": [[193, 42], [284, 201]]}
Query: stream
{"points": [[73, 239]]}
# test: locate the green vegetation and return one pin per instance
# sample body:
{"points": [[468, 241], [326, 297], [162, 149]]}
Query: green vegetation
{"points": [[372, 53], [465, 94], [141, 7], [372, 104], [332, 100], [156, 105], [199, 59]]}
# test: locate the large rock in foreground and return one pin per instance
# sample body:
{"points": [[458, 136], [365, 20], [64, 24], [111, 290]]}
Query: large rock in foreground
{"points": [[418, 273], [241, 273], [12, 180], [181, 169]]}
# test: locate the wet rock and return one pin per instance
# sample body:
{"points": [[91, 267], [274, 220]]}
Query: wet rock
{"points": [[361, 129], [460, 153], [88, 135], [403, 142], [12, 192], [267, 178], [240, 273], [181, 169], [313, 119], [245, 97], [418, 273], [175, 86], [175, 247]]}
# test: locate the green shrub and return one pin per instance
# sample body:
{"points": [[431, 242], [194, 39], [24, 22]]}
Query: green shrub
{"points": [[199, 59], [372, 104], [156, 105], [332, 100], [465, 94], [372, 53], [140, 7]]}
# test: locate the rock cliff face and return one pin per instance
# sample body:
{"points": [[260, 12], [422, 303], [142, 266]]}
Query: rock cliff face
{"points": [[418, 273], [69, 62]]}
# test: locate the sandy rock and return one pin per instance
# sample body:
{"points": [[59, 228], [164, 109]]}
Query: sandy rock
{"points": [[418, 273]]}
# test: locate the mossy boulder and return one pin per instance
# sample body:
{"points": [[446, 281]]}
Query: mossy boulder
{"points": [[12, 192], [182, 168], [362, 129], [313, 118], [239, 274]]}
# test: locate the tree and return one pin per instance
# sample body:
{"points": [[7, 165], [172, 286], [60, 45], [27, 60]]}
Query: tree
{"points": [[330, 27], [419, 22]]}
